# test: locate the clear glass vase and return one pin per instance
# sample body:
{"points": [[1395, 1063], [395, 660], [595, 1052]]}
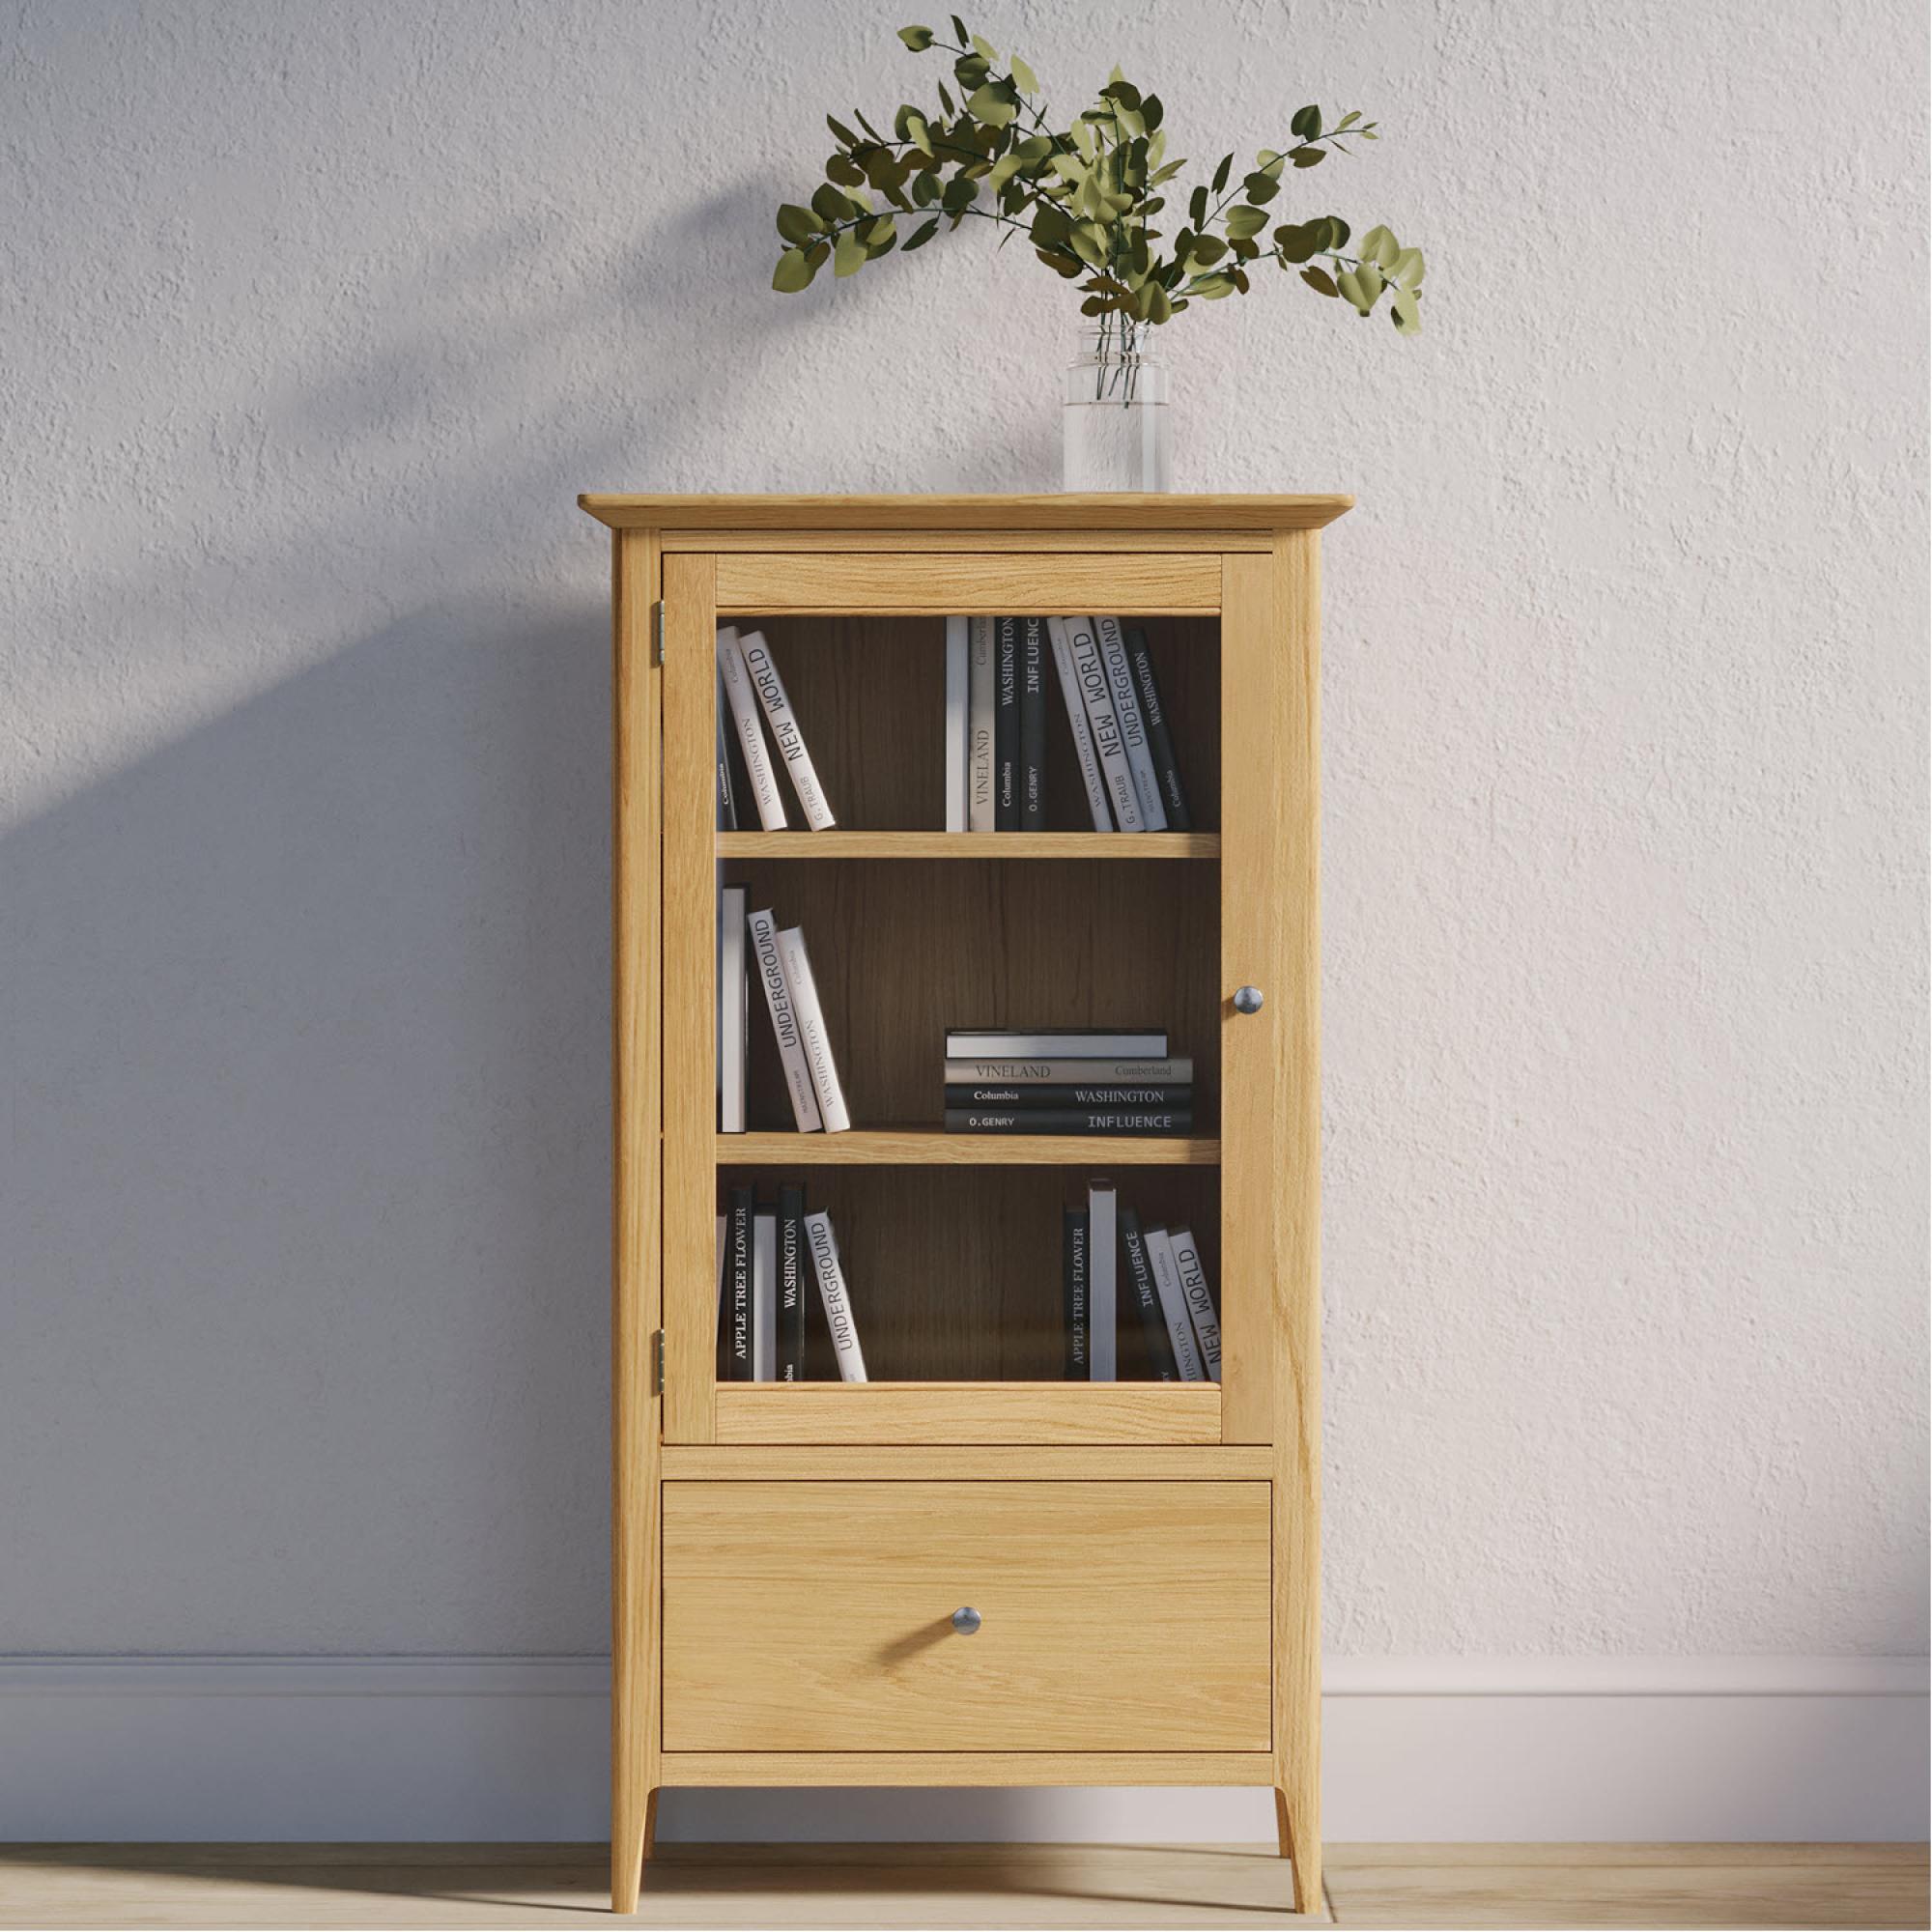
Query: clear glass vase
{"points": [[1113, 418]]}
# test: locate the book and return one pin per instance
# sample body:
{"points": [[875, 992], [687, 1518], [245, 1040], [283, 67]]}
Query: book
{"points": [[1007, 723], [1178, 1099], [762, 929], [791, 1283], [743, 707], [1032, 725], [1108, 745], [832, 1291], [1133, 728], [727, 805], [1200, 1299], [764, 1296], [738, 1286], [1160, 734], [717, 1311], [1055, 1043], [1147, 1299], [1085, 755], [785, 734], [981, 692], [1102, 1247], [958, 724], [732, 1009], [1181, 1334], [818, 1058], [1070, 1121], [1098, 1071], [1073, 1290]]}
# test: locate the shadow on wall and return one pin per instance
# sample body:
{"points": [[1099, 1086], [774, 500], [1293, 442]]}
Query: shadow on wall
{"points": [[304, 1021]]}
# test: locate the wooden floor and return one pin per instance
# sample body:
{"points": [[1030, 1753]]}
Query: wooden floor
{"points": [[962, 1885]]}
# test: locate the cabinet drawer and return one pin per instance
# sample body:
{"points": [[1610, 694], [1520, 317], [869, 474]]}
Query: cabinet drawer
{"points": [[817, 1616]]}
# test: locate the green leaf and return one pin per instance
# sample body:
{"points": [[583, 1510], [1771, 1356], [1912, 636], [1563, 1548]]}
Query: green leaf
{"points": [[1379, 246], [1068, 266], [994, 104], [1308, 157], [1206, 248], [962, 192], [1221, 173], [921, 235], [971, 71], [1407, 312], [1320, 281], [848, 255], [1151, 112], [986, 51], [1244, 223], [1155, 303], [1090, 246], [1196, 206], [945, 99], [1349, 120], [1337, 232], [1300, 240], [845, 170], [1024, 77], [1350, 285], [1406, 269], [1260, 187], [841, 132], [918, 39], [829, 205], [797, 224], [792, 274], [1212, 288], [1306, 124]]}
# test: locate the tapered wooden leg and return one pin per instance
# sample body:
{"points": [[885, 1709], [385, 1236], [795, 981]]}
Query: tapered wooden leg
{"points": [[1301, 1841], [631, 1840]]}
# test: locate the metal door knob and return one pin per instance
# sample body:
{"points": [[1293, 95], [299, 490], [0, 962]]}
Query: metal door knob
{"points": [[966, 1620], [1247, 999]]}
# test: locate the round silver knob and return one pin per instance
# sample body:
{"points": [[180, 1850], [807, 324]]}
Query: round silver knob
{"points": [[966, 1620], [1247, 999]]}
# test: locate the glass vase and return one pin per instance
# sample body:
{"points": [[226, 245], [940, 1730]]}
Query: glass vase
{"points": [[1113, 417]]}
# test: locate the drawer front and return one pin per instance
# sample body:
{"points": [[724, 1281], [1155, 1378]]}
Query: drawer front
{"points": [[1114, 1616]]}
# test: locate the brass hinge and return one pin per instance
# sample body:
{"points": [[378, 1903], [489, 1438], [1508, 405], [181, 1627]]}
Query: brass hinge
{"points": [[658, 631], [658, 1362]]}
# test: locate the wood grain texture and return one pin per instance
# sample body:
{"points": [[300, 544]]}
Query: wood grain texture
{"points": [[1006, 846], [969, 1412], [689, 1007], [1116, 1616], [758, 582], [933, 1147], [1036, 1769], [1125, 511], [635, 1279], [993, 541], [984, 1462]]}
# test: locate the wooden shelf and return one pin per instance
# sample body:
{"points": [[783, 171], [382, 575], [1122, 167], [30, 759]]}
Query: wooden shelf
{"points": [[930, 1147], [969, 846]]}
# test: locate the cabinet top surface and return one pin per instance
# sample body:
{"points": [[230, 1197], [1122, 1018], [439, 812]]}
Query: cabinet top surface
{"points": [[1120, 512]]}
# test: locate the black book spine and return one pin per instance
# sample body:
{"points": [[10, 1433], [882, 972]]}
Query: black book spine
{"points": [[738, 1282], [791, 1283], [1147, 1299], [1068, 1121], [1073, 1290], [1159, 734], [1174, 1097], [1033, 723], [1007, 725]]}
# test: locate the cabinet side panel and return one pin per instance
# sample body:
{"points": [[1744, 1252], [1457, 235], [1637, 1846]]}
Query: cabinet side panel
{"points": [[635, 1275], [690, 969]]}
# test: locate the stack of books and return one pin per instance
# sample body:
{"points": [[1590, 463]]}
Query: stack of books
{"points": [[748, 688], [996, 701], [1107, 1257], [763, 1254], [1068, 1080], [751, 942]]}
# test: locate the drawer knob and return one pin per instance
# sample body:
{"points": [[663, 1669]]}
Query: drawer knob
{"points": [[966, 1620], [1247, 999]]}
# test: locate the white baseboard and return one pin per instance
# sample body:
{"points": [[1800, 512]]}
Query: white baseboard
{"points": [[1417, 1748]]}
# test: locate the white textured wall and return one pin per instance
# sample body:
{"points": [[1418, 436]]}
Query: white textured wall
{"points": [[313, 320]]}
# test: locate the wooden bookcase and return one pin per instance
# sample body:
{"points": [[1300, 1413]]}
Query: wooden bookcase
{"points": [[786, 1558]]}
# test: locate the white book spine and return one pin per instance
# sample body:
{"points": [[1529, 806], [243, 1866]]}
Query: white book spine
{"points": [[1133, 726], [1107, 743], [743, 704], [1083, 733], [844, 1332], [763, 930], [958, 723], [1200, 1301], [1173, 1306], [732, 1006], [811, 1031], [1103, 1260], [790, 740], [981, 701], [764, 1298]]}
